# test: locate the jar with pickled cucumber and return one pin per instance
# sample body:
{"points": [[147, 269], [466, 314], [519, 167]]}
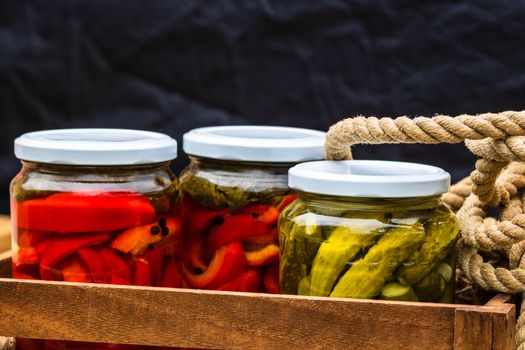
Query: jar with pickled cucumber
{"points": [[232, 194], [368, 229], [96, 206]]}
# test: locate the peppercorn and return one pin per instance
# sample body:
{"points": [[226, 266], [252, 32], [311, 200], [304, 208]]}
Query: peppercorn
{"points": [[155, 230], [165, 231]]}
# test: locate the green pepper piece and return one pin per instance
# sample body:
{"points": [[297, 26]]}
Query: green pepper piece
{"points": [[341, 247], [367, 276], [442, 231]]}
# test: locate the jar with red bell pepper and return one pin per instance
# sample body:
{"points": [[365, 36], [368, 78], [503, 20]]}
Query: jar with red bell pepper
{"points": [[96, 206], [232, 193]]}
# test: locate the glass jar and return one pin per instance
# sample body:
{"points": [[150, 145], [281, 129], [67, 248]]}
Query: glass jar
{"points": [[368, 229], [96, 206], [232, 194]]}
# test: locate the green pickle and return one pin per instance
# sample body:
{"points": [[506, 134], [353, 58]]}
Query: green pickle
{"points": [[368, 254], [367, 276], [342, 245], [442, 232]]}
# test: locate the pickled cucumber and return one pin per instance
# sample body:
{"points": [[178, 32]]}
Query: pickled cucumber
{"points": [[298, 248], [304, 286], [442, 231], [342, 246], [367, 276], [431, 288], [397, 291]]}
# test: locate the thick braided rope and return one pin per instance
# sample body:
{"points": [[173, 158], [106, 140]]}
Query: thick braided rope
{"points": [[498, 140]]}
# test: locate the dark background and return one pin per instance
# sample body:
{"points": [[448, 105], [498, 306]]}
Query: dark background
{"points": [[171, 65]]}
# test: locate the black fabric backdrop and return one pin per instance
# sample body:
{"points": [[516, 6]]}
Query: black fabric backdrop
{"points": [[172, 65]]}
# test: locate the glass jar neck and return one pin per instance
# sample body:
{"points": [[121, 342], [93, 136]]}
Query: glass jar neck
{"points": [[359, 203], [86, 169], [203, 162]]}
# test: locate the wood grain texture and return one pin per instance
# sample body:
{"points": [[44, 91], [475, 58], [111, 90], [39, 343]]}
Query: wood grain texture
{"points": [[473, 330], [208, 319], [222, 320]]}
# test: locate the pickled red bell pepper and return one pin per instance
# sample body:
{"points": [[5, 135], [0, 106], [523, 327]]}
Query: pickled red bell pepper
{"points": [[235, 228], [25, 261], [74, 270], [195, 254], [248, 281], [116, 267], [286, 201], [142, 275], [85, 211], [95, 264], [171, 277], [29, 238], [197, 217], [271, 280], [56, 248], [263, 212], [266, 256], [227, 264], [154, 258]]}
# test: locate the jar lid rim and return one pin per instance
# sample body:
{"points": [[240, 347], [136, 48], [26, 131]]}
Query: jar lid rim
{"points": [[369, 179], [95, 146], [256, 143]]}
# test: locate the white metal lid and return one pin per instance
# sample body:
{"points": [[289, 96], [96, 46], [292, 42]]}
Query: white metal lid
{"points": [[255, 143], [95, 147], [369, 178]]}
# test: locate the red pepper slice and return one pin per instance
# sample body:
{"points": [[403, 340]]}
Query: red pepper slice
{"points": [[259, 242], [287, 200], [74, 270], [250, 281], [266, 256], [117, 280], [85, 211], [142, 275], [29, 344], [172, 277], [227, 264], [235, 228], [263, 212], [115, 265], [25, 261], [195, 254], [271, 280], [136, 240], [197, 218], [57, 247], [23, 276], [154, 258], [95, 264], [29, 238]]}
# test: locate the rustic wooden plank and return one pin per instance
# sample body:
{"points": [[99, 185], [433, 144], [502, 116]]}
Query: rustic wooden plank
{"points": [[503, 327], [210, 319], [473, 329], [499, 299], [5, 264]]}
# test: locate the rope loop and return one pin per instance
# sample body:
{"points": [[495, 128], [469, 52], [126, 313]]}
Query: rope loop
{"points": [[498, 140]]}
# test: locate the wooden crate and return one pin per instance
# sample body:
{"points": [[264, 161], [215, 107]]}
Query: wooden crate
{"points": [[225, 320]]}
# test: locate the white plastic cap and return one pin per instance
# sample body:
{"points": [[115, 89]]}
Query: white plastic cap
{"points": [[95, 147], [255, 143], [369, 178]]}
